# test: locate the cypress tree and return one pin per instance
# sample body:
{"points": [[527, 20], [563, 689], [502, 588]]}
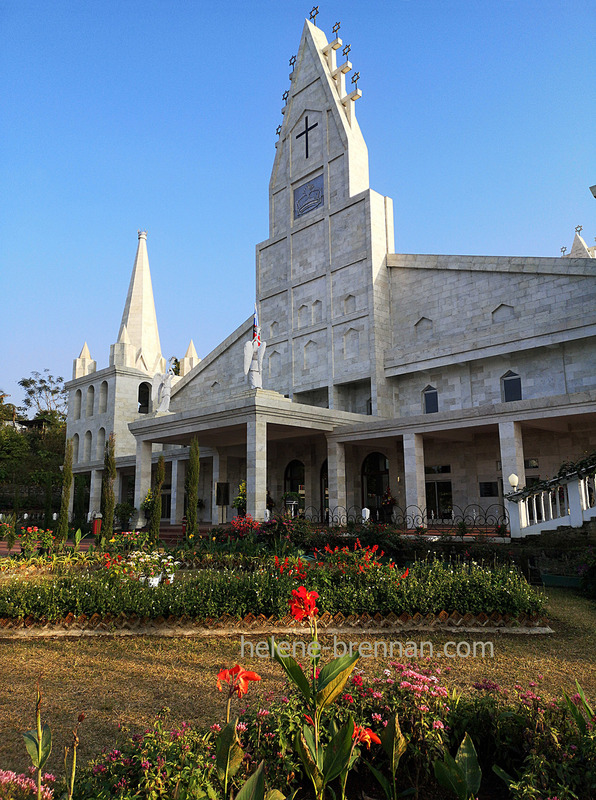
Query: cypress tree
{"points": [[62, 530], [108, 498], [192, 487]]}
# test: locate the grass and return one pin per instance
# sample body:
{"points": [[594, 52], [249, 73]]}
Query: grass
{"points": [[127, 681]]}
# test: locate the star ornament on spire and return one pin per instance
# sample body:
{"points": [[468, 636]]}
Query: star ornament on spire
{"points": [[579, 228], [346, 50], [313, 14], [278, 130], [336, 28], [355, 79], [285, 95], [293, 62]]}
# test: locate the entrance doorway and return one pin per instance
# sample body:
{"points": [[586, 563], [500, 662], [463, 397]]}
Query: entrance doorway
{"points": [[324, 483], [439, 500], [375, 480]]}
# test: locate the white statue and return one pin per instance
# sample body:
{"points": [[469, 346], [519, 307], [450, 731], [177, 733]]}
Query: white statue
{"points": [[162, 390], [254, 352]]}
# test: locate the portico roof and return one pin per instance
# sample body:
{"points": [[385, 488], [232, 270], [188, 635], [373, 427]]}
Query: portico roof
{"points": [[224, 423]]}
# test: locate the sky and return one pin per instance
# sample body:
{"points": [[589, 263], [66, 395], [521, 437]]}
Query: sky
{"points": [[479, 116]]}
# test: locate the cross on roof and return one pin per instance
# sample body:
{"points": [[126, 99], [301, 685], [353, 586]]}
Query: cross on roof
{"points": [[293, 62], [313, 14], [355, 79], [579, 228], [346, 50], [305, 132], [336, 28]]}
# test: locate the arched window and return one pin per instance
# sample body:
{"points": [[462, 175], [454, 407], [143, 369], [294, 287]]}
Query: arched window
{"points": [[90, 401], [87, 446], [103, 397], [75, 448], [511, 387], [294, 480], [101, 443], [430, 400], [77, 404], [375, 479], [144, 398]]}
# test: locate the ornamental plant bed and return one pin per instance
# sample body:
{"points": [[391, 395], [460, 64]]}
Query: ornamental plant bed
{"points": [[346, 587]]}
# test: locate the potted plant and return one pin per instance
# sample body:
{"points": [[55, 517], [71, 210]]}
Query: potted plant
{"points": [[123, 512], [239, 502]]}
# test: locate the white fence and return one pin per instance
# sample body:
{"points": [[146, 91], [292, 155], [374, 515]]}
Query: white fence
{"points": [[569, 501]]}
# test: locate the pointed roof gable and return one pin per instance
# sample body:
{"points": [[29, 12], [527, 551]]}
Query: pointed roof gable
{"points": [[319, 123], [191, 351], [139, 321], [579, 249]]}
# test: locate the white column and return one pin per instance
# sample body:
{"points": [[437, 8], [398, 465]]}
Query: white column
{"points": [[575, 503], [336, 465], [415, 485], [177, 482], [220, 475], [256, 467], [512, 462], [95, 492], [142, 478]]}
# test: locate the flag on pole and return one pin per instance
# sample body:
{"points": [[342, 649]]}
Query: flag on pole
{"points": [[256, 336]]}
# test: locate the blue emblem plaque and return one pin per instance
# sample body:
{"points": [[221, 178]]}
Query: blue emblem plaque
{"points": [[308, 196]]}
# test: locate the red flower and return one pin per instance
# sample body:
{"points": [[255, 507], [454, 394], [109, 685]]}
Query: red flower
{"points": [[406, 573], [302, 604], [365, 736], [309, 719], [237, 678]]}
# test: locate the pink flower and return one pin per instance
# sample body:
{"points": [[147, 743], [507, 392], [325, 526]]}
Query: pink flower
{"points": [[438, 725]]}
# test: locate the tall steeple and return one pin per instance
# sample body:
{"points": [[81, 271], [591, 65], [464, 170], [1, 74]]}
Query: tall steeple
{"points": [[139, 321]]}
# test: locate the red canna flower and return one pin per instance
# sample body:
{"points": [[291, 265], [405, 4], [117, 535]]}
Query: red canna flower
{"points": [[302, 604], [365, 736], [237, 678]]}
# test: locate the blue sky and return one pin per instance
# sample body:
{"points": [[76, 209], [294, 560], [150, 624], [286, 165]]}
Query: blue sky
{"points": [[479, 116]]}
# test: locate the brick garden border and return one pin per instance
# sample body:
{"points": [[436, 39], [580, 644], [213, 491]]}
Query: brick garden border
{"points": [[226, 625]]}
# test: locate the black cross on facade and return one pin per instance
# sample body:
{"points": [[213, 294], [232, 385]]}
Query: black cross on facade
{"points": [[305, 132]]}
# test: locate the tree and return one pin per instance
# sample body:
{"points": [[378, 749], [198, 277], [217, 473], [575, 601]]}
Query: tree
{"points": [[45, 393], [108, 498], [160, 474], [62, 531], [192, 487]]}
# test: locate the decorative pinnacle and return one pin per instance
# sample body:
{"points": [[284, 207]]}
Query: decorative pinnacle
{"points": [[142, 234], [313, 14], [355, 79], [579, 228], [336, 28], [293, 62], [563, 250], [346, 50], [285, 95], [278, 130]]}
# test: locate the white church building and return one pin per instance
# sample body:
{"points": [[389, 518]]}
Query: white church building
{"points": [[434, 375]]}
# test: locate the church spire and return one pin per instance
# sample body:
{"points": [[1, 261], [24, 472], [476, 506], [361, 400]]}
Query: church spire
{"points": [[139, 321]]}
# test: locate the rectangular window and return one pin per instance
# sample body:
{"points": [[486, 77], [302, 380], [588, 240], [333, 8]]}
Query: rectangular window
{"points": [[437, 470], [488, 488], [431, 401], [530, 463]]}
